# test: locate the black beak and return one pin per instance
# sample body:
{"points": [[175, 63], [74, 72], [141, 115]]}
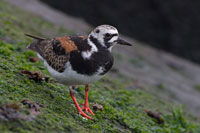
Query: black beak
{"points": [[122, 42]]}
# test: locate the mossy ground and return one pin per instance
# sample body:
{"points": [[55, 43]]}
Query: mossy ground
{"points": [[123, 109]]}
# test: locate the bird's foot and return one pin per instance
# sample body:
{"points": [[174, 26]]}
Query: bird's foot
{"points": [[84, 115], [80, 111], [86, 108]]}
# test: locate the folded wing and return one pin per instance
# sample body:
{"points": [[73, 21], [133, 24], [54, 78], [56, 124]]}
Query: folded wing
{"points": [[55, 51]]}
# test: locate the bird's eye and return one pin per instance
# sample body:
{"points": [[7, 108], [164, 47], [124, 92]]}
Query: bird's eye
{"points": [[108, 35], [97, 31]]}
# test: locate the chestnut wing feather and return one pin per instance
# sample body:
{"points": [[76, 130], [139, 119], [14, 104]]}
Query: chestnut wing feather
{"points": [[55, 51]]}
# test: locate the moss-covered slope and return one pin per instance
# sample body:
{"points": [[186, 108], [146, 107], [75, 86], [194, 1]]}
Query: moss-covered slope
{"points": [[123, 110]]}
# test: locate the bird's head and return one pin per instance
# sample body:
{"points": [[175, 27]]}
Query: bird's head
{"points": [[107, 36]]}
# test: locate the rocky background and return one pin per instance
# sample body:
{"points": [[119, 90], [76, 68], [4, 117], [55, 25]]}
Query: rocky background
{"points": [[147, 90], [172, 26]]}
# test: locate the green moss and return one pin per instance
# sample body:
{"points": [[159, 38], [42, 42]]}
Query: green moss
{"points": [[123, 109], [5, 49]]}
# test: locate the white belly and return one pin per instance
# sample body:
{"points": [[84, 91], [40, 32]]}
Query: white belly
{"points": [[71, 77]]}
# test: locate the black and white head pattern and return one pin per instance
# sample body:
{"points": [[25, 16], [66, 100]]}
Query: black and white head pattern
{"points": [[106, 35], [103, 36]]}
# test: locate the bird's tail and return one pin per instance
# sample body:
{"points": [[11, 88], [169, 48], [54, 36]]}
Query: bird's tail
{"points": [[32, 46]]}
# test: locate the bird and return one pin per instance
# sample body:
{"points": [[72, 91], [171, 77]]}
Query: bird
{"points": [[78, 59]]}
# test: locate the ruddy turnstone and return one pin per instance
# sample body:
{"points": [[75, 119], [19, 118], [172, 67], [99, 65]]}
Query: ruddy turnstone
{"points": [[78, 60]]}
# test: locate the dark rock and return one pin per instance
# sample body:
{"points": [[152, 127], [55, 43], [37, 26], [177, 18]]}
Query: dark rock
{"points": [[33, 59], [36, 76], [96, 107], [156, 116]]}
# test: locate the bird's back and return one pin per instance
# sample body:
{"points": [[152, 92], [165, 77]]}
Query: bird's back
{"points": [[54, 51]]}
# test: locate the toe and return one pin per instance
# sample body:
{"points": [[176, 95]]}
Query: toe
{"points": [[90, 111], [84, 115]]}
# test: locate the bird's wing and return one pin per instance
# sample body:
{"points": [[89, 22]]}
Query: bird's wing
{"points": [[55, 51]]}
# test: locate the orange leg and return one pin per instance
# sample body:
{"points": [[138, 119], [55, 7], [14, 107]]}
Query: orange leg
{"points": [[85, 105], [77, 106]]}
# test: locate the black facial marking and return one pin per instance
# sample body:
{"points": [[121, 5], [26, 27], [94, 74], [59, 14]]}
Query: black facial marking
{"points": [[97, 31], [95, 41], [108, 37], [115, 34]]}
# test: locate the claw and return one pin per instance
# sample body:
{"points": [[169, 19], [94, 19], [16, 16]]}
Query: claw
{"points": [[84, 115]]}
